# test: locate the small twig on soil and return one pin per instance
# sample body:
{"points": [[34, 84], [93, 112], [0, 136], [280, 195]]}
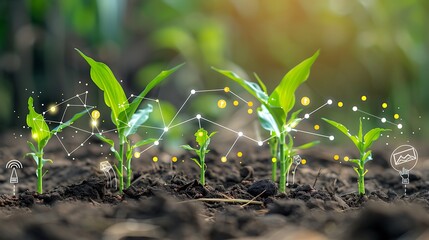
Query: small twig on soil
{"points": [[317, 177], [224, 200], [253, 199]]}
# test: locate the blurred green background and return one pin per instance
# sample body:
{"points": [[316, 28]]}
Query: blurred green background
{"points": [[377, 48]]}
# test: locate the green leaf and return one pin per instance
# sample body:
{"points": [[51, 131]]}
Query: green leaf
{"points": [[140, 117], [114, 95], [307, 145], [251, 87], [372, 136], [344, 130], [360, 133], [267, 121], [136, 102], [187, 147], [284, 94], [197, 162], [34, 156], [31, 145], [106, 140], [39, 129], [201, 136], [60, 127], [144, 142], [367, 157], [47, 161], [264, 88]]}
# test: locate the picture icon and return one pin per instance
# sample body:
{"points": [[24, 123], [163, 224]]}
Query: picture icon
{"points": [[404, 156]]}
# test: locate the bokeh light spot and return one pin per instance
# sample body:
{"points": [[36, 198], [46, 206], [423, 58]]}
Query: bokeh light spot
{"points": [[221, 103], [305, 101]]}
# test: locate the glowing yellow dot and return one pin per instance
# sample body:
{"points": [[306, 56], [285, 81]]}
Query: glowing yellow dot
{"points": [[223, 159], [155, 159], [200, 134], [384, 105], [340, 104], [239, 154], [53, 109], [95, 114], [363, 98], [221, 103], [303, 161], [305, 101], [174, 159], [226, 89], [346, 158], [137, 154], [336, 157], [396, 116], [250, 104], [316, 127], [35, 136], [94, 123], [235, 103], [249, 111], [273, 159]]}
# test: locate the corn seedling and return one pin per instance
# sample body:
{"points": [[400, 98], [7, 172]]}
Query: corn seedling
{"points": [[363, 144], [124, 115], [41, 135], [274, 110], [203, 140]]}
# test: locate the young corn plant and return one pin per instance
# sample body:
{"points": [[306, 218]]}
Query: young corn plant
{"points": [[41, 135], [274, 110], [363, 143], [124, 115], [203, 140]]}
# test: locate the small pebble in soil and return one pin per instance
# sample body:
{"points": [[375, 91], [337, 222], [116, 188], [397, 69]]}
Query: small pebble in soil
{"points": [[246, 172], [263, 188]]}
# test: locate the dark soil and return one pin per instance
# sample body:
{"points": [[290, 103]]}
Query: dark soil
{"points": [[166, 202]]}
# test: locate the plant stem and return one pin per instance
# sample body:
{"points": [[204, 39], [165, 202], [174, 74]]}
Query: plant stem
{"points": [[361, 176], [202, 171], [121, 167], [274, 171], [129, 173], [274, 145], [282, 182], [40, 173]]}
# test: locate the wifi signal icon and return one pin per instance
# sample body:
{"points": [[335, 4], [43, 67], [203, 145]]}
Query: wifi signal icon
{"points": [[14, 164]]}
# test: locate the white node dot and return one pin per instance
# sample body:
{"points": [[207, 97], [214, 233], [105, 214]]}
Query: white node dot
{"points": [[198, 116], [132, 95], [307, 116], [166, 129], [399, 126], [260, 143], [383, 120], [288, 129], [68, 154], [331, 138], [192, 91], [329, 102], [240, 134], [156, 143], [354, 108]]}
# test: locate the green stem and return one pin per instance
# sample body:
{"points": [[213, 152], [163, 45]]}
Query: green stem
{"points": [[129, 173], [121, 167], [202, 171], [361, 176], [40, 173], [282, 183], [274, 171]]}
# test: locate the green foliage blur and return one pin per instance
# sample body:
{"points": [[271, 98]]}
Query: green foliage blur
{"points": [[377, 48]]}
